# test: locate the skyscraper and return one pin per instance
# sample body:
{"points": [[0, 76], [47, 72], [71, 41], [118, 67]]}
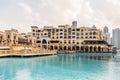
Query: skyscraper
{"points": [[107, 34], [105, 30], [74, 23], [116, 37]]}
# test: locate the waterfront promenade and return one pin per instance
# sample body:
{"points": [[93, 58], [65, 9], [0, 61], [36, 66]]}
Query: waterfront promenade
{"points": [[27, 53]]}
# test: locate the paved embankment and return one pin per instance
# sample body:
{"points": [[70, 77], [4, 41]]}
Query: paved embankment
{"points": [[27, 54]]}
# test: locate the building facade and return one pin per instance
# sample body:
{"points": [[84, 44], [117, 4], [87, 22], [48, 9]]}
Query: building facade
{"points": [[70, 38], [14, 38]]}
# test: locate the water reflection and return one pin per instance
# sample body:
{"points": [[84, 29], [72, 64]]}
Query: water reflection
{"points": [[24, 74], [63, 67]]}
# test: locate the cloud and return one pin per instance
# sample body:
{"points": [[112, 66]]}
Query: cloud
{"points": [[26, 7], [55, 12]]}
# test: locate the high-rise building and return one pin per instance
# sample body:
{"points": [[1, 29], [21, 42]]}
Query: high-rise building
{"points": [[105, 30], [94, 27], [116, 37], [107, 34], [74, 23]]}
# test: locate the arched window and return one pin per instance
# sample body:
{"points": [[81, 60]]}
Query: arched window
{"points": [[55, 47], [94, 33], [51, 47], [90, 33], [44, 41], [8, 36]]}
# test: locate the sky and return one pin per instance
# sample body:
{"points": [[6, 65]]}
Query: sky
{"points": [[21, 14]]}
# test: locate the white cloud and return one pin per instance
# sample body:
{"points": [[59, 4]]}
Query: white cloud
{"points": [[55, 12], [26, 7]]}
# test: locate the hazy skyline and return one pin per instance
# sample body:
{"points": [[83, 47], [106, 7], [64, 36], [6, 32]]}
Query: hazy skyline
{"points": [[21, 14]]}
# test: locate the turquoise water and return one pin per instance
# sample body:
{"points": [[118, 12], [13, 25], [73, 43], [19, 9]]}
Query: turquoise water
{"points": [[58, 67]]}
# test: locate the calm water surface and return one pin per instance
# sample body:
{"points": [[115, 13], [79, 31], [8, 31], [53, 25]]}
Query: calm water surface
{"points": [[58, 67]]}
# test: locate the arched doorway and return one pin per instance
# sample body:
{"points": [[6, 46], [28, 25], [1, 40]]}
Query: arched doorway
{"points": [[91, 48], [69, 48], [95, 49], [77, 48], [86, 49], [99, 49], [82, 48], [65, 48], [73, 48], [51, 47], [60, 47], [56, 47]]}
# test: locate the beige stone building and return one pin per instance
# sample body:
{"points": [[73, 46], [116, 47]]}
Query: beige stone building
{"points": [[14, 38], [71, 38]]}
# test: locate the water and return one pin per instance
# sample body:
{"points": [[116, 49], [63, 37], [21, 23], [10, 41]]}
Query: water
{"points": [[58, 67]]}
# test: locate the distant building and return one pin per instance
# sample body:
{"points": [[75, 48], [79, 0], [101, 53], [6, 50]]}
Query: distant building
{"points": [[107, 34], [116, 37], [94, 27], [105, 30], [74, 24], [14, 38]]}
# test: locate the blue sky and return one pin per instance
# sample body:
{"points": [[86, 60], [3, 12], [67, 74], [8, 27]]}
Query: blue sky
{"points": [[21, 14]]}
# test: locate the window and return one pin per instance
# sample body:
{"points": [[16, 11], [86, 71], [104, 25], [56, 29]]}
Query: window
{"points": [[65, 37], [65, 42], [45, 33], [37, 34], [73, 36], [81, 37], [81, 33], [81, 42], [61, 29], [86, 37], [38, 30], [37, 37], [78, 29], [73, 29], [73, 42], [90, 33], [77, 34], [94, 33], [69, 37], [38, 42], [90, 36], [81, 30], [14, 37], [73, 33], [61, 37], [94, 37], [57, 30], [86, 33], [33, 34], [77, 42], [61, 33], [33, 30], [65, 30], [69, 42]]}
